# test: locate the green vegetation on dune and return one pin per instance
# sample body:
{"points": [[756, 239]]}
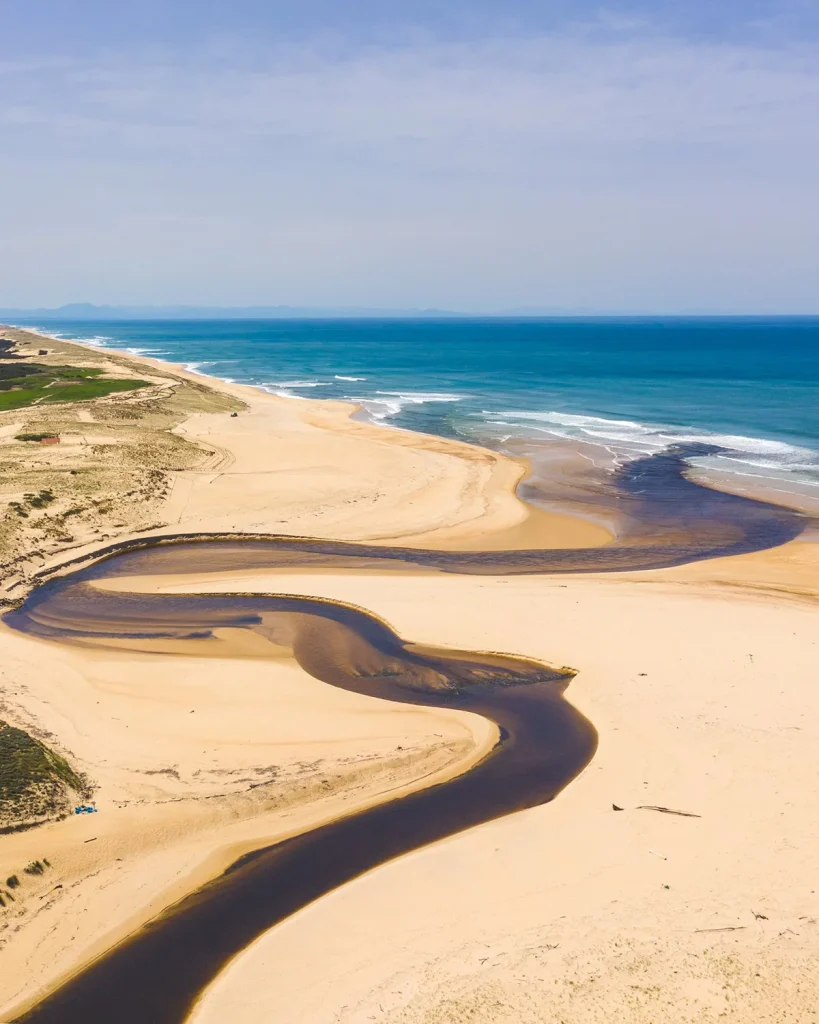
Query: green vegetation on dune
{"points": [[12, 373], [23, 384], [91, 389], [19, 374], [35, 783]]}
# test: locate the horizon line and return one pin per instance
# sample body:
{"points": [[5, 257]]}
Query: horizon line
{"points": [[90, 311]]}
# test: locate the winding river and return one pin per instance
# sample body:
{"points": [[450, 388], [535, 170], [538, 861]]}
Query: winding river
{"points": [[157, 973]]}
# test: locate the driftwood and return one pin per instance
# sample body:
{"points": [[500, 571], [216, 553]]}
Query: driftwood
{"points": [[667, 810], [730, 928], [662, 810]]}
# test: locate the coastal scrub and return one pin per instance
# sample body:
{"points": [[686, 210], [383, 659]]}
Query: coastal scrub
{"points": [[36, 784]]}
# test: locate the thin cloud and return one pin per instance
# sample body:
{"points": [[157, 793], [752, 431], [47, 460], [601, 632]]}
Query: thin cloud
{"points": [[606, 161], [568, 87]]}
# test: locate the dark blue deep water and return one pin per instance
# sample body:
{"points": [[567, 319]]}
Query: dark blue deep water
{"points": [[750, 386]]}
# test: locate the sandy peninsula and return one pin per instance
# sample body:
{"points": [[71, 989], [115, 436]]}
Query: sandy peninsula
{"points": [[699, 680]]}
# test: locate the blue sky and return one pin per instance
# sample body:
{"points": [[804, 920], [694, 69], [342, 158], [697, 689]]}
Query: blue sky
{"points": [[476, 156]]}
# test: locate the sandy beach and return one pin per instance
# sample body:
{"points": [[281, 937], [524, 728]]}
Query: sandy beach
{"points": [[698, 679]]}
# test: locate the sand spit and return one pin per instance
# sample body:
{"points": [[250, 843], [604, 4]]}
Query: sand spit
{"points": [[699, 681]]}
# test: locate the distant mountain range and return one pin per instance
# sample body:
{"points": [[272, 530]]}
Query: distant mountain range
{"points": [[88, 311]]}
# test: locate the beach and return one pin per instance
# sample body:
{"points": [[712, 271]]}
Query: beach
{"points": [[697, 678]]}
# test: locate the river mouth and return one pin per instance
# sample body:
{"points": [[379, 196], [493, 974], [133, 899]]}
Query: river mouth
{"points": [[158, 973]]}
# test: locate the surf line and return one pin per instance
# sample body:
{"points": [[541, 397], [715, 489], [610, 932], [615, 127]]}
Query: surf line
{"points": [[158, 972]]}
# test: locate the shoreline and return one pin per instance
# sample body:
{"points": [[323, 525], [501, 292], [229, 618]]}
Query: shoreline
{"points": [[499, 609], [499, 513], [490, 510], [763, 486]]}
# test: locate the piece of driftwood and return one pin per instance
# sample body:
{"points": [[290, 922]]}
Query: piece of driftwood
{"points": [[667, 810], [730, 928]]}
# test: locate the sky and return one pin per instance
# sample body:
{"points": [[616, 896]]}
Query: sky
{"points": [[477, 156]]}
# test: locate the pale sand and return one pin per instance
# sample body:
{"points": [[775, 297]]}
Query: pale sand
{"points": [[722, 724], [191, 773], [705, 700], [308, 469]]}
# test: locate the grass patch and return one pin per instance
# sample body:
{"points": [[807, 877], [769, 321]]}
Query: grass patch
{"points": [[22, 384], [34, 781], [91, 389], [13, 372], [41, 500]]}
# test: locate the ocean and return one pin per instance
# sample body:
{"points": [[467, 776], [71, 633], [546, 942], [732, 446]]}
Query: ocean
{"points": [[746, 387]]}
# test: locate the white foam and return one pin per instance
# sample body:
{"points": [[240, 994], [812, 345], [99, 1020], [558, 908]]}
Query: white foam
{"points": [[570, 419], [135, 350], [627, 439], [419, 397], [283, 388], [379, 409], [37, 330], [392, 402], [340, 376], [99, 340], [281, 392], [196, 367]]}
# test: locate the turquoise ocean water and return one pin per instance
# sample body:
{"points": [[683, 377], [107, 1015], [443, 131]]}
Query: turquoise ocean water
{"points": [[750, 387]]}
